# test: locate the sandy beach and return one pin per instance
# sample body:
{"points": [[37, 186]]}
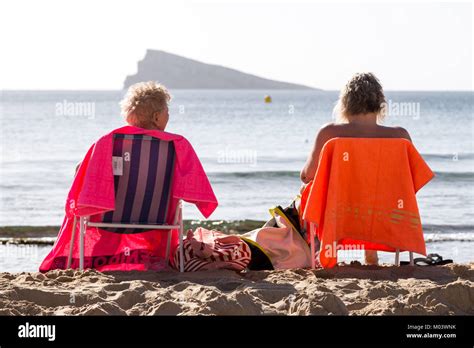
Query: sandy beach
{"points": [[344, 290]]}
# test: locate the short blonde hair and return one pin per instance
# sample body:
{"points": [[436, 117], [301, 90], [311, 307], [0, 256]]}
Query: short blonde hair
{"points": [[142, 101], [362, 94]]}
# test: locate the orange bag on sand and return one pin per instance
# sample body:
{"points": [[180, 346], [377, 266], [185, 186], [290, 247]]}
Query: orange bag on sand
{"points": [[363, 196]]}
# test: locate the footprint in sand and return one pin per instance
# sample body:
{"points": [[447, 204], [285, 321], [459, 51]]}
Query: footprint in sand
{"points": [[228, 286], [117, 286], [105, 308], [42, 297], [382, 290], [127, 299], [165, 308], [272, 293]]}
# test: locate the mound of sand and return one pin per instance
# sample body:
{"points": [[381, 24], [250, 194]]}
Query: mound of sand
{"points": [[344, 290]]}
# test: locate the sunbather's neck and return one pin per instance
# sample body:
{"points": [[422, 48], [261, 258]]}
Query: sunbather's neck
{"points": [[369, 119]]}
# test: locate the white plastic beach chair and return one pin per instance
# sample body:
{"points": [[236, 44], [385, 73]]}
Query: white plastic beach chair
{"points": [[149, 186]]}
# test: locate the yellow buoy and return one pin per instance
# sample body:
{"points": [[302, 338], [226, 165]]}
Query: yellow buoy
{"points": [[268, 99]]}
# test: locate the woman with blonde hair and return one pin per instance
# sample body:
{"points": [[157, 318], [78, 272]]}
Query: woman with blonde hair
{"points": [[359, 111]]}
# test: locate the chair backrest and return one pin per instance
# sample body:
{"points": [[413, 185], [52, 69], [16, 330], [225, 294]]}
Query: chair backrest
{"points": [[363, 196], [143, 173]]}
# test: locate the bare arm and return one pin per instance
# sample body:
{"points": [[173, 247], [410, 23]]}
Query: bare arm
{"points": [[309, 170], [77, 167]]}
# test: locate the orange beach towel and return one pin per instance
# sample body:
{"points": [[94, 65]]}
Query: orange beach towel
{"points": [[363, 196]]}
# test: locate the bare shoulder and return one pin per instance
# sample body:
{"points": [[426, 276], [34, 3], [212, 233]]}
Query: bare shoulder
{"points": [[329, 130], [326, 132], [329, 126], [393, 132], [402, 133]]}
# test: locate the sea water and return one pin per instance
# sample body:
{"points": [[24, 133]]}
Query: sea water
{"points": [[252, 150]]}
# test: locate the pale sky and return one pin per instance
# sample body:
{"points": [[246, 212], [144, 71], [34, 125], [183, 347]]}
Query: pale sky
{"points": [[95, 44]]}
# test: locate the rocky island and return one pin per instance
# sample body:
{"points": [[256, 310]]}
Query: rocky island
{"points": [[178, 72]]}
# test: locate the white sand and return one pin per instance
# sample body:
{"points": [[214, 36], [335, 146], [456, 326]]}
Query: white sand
{"points": [[354, 290]]}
